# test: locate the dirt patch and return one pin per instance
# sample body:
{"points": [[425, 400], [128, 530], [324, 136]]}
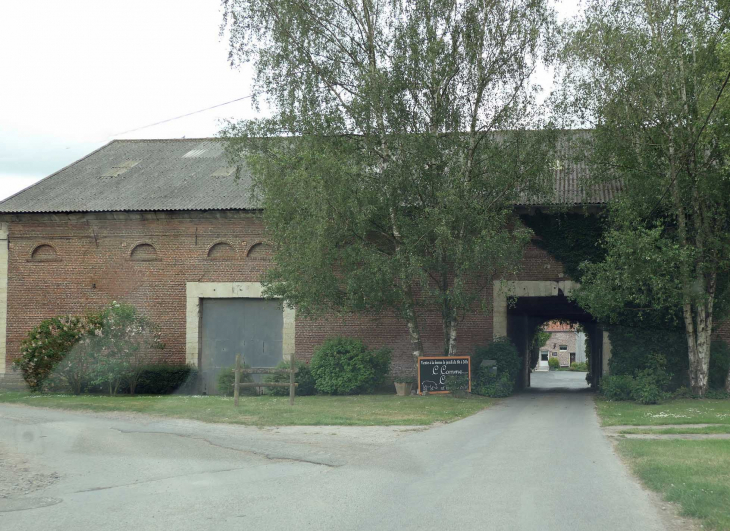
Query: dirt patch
{"points": [[670, 436], [615, 431], [19, 476]]}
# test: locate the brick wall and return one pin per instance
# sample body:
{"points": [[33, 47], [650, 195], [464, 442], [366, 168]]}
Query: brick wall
{"points": [[93, 265]]}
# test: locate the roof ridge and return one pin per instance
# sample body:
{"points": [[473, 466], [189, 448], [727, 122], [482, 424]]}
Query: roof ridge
{"points": [[196, 139]]}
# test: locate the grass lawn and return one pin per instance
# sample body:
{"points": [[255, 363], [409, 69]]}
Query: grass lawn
{"points": [[361, 410], [686, 411], [695, 474]]}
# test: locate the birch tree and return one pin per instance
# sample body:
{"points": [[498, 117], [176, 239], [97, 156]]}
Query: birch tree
{"points": [[650, 76], [402, 134]]}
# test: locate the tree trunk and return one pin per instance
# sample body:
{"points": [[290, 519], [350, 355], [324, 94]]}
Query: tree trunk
{"points": [[689, 330], [452, 338], [698, 328], [415, 335]]}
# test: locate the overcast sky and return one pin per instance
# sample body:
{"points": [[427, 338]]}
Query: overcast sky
{"points": [[76, 73]]}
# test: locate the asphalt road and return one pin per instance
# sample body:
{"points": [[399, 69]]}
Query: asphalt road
{"points": [[537, 461], [558, 380]]}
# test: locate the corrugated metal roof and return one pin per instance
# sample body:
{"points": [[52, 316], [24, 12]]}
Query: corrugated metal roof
{"points": [[194, 174], [573, 188], [141, 175]]}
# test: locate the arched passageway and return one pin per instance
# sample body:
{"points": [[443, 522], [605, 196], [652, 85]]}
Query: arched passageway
{"points": [[526, 314]]}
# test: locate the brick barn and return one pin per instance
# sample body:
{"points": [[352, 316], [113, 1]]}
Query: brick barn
{"points": [[164, 225]]}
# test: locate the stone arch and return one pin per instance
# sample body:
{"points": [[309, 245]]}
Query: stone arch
{"points": [[44, 253], [222, 250], [143, 252]]}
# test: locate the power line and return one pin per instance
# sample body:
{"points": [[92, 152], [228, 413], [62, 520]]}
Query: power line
{"points": [[184, 115]]}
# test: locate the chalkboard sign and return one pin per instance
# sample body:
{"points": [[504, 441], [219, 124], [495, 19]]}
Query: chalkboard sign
{"points": [[432, 372]]}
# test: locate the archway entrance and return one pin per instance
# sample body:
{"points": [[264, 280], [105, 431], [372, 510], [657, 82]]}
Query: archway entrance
{"points": [[521, 307]]}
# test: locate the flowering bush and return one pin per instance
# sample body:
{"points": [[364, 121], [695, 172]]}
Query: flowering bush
{"points": [[122, 345], [48, 344], [106, 348]]}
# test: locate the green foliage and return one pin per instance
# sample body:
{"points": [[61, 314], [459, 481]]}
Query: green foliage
{"points": [[719, 364], [499, 379], [682, 392], [617, 387], [553, 363], [636, 349], [109, 347], [122, 346], [345, 366], [717, 394], [457, 382], [226, 378], [655, 99], [488, 383], [381, 189], [579, 366], [505, 355], [47, 345], [303, 377], [404, 379], [648, 387], [637, 280], [539, 339], [570, 238], [165, 379]]}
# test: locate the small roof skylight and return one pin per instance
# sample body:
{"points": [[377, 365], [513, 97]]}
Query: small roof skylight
{"points": [[225, 171], [119, 168], [207, 150]]}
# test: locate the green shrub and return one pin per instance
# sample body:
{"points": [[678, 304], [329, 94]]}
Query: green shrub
{"points": [[48, 344], [488, 383], [647, 388], [404, 379], [717, 394], [226, 379], [719, 364], [498, 380], [164, 379], [505, 356], [683, 392], [634, 349], [617, 387], [122, 346], [303, 377], [457, 382], [579, 366], [344, 366], [554, 363]]}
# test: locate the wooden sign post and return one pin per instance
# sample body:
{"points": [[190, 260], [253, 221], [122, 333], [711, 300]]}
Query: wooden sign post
{"points": [[239, 370], [237, 380]]}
